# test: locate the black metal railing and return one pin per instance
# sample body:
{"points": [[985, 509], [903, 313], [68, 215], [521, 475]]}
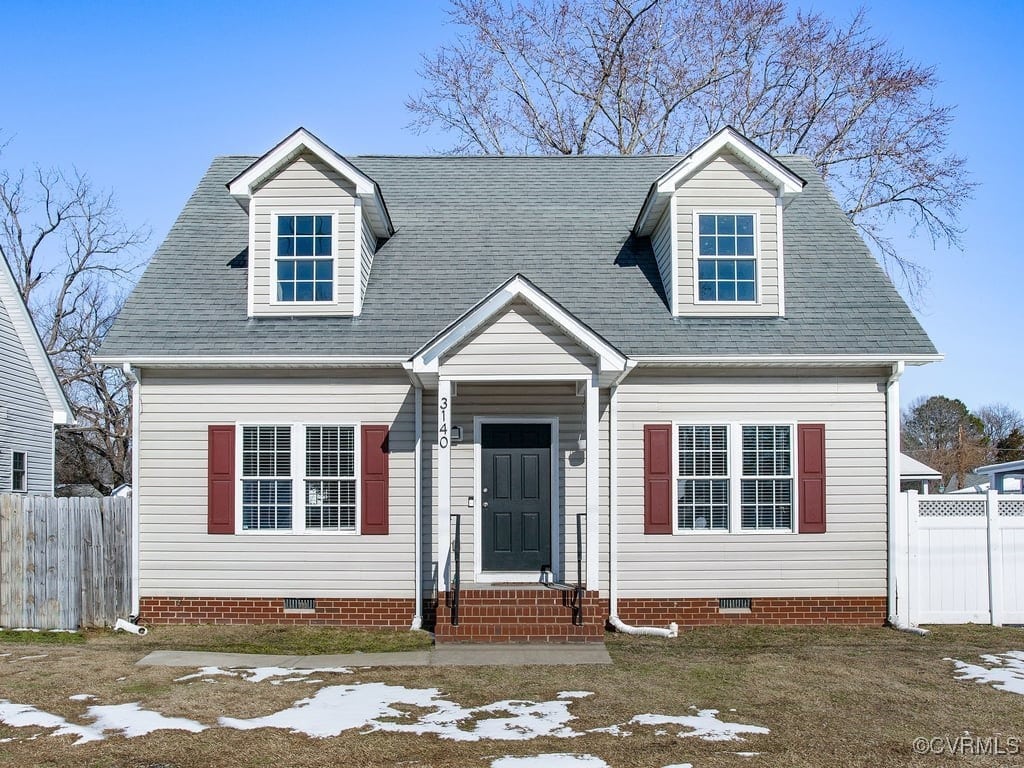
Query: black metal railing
{"points": [[578, 589], [456, 587]]}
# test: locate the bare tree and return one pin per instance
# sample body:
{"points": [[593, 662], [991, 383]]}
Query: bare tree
{"points": [[942, 433], [1004, 431], [654, 76], [73, 259]]}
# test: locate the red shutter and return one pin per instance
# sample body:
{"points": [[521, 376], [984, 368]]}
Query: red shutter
{"points": [[220, 470], [658, 478], [375, 480], [811, 477]]}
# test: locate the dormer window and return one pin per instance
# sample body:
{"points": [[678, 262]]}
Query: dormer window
{"points": [[305, 263], [727, 257]]}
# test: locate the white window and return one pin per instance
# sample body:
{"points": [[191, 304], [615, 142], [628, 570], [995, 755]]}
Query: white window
{"points": [[299, 477], [734, 477], [330, 478], [767, 482], [266, 478], [702, 489], [726, 257], [19, 472], [305, 258]]}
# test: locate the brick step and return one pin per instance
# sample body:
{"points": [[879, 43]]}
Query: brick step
{"points": [[519, 615]]}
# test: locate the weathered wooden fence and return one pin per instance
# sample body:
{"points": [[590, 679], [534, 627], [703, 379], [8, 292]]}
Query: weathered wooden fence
{"points": [[64, 563]]}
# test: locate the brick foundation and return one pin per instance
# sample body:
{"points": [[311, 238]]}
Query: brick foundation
{"points": [[702, 612], [527, 615], [343, 612]]}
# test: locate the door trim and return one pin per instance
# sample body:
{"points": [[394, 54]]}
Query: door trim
{"points": [[523, 577]]}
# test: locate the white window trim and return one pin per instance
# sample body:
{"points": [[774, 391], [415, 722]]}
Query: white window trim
{"points": [[735, 467], [335, 260], [695, 248], [481, 576], [298, 478], [24, 471]]}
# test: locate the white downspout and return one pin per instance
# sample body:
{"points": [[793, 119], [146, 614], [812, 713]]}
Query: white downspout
{"points": [[133, 375], [892, 428], [613, 530], [417, 617]]}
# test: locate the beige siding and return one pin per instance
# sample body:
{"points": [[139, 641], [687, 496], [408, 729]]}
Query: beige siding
{"points": [[728, 185], [367, 247], [848, 560], [542, 400], [661, 242], [178, 557], [519, 341], [306, 185]]}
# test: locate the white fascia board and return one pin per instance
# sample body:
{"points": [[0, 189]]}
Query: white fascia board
{"points": [[301, 140], [1006, 466], [783, 360], [248, 361], [427, 359], [727, 139], [10, 297]]}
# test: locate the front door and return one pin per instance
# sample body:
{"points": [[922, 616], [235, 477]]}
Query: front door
{"points": [[515, 486]]}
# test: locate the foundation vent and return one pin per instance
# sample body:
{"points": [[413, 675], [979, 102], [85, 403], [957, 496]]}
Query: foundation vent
{"points": [[300, 604], [734, 604]]}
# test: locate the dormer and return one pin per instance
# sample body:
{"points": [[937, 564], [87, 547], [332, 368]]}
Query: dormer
{"points": [[315, 222], [715, 224]]}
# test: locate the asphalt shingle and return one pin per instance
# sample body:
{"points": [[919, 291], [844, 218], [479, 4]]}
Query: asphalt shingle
{"points": [[466, 224]]}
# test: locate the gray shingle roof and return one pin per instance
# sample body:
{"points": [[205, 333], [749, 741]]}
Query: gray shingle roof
{"points": [[465, 224]]}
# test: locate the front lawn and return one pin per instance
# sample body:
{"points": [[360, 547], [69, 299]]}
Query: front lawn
{"points": [[827, 697]]}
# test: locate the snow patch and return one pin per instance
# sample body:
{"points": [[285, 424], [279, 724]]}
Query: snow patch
{"points": [[132, 720], [33, 658], [25, 715], [81, 697], [259, 674], [680, 765], [704, 725], [573, 694], [550, 760], [1006, 672]]}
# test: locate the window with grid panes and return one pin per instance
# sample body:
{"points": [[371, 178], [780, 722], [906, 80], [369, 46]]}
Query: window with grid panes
{"points": [[266, 478], [766, 483], [702, 487], [330, 478]]}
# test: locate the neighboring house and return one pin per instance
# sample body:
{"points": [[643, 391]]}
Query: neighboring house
{"points": [[32, 401], [917, 476], [672, 380], [1004, 477]]}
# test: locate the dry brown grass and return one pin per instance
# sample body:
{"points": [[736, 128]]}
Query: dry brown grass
{"points": [[831, 697]]}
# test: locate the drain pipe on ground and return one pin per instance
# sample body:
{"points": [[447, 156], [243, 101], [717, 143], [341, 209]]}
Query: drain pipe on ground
{"points": [[613, 530], [892, 424]]}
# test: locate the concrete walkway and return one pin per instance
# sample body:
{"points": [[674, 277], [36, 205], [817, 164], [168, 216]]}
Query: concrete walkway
{"points": [[448, 655]]}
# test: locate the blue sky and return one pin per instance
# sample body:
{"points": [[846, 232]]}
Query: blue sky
{"points": [[141, 96]]}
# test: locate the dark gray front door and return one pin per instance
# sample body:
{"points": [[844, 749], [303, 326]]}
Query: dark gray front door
{"points": [[515, 485]]}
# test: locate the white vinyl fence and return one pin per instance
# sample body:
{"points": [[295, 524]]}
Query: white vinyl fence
{"points": [[960, 559]]}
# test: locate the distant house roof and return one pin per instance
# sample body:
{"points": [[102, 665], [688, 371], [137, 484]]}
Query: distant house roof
{"points": [[1001, 468], [11, 299], [912, 469], [465, 225]]}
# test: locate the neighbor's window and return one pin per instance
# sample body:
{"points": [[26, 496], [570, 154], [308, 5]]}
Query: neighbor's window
{"points": [[726, 264], [19, 472], [702, 490], [305, 264], [331, 478], [266, 478], [766, 485]]}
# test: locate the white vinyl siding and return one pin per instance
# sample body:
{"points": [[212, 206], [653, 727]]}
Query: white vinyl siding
{"points": [[519, 341], [848, 560], [179, 557], [728, 185], [661, 242], [303, 187], [367, 248], [26, 416]]}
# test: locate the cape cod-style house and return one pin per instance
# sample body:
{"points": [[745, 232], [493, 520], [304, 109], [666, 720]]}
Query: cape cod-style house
{"points": [[515, 398]]}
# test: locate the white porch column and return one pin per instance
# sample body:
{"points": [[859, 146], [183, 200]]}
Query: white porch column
{"points": [[593, 460], [444, 482]]}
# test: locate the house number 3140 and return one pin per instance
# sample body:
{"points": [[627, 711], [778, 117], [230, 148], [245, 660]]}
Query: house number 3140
{"points": [[442, 424]]}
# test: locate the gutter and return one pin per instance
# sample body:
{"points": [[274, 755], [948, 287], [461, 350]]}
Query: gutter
{"points": [[250, 361], [132, 374], [783, 360]]}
